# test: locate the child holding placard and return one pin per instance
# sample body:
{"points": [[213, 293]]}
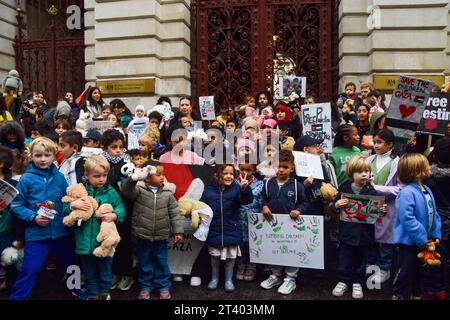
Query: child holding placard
{"points": [[355, 239]]}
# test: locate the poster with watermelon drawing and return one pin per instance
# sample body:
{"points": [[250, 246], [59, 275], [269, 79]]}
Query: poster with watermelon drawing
{"points": [[407, 105], [436, 115]]}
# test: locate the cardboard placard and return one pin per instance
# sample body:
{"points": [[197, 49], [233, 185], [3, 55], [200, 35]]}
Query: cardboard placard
{"points": [[316, 119], [288, 85], [307, 165], [207, 110], [361, 208], [7, 194], [436, 115]]}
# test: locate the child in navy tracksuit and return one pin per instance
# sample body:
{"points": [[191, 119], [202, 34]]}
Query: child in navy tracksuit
{"points": [[283, 195], [417, 221], [355, 239], [41, 182], [225, 235]]}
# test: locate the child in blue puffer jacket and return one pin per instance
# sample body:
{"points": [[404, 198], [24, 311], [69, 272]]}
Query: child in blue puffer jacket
{"points": [[225, 233], [41, 183]]}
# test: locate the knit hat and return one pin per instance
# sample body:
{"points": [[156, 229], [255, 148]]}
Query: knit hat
{"points": [[248, 123], [373, 120], [267, 113], [269, 123], [241, 143]]}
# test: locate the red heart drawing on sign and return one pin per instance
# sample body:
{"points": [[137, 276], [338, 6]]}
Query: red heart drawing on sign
{"points": [[431, 124], [406, 111]]}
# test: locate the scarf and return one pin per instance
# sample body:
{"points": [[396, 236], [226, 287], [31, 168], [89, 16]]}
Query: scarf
{"points": [[113, 160]]}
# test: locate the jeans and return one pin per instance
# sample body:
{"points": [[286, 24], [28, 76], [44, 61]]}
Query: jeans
{"points": [[154, 269], [352, 263], [385, 255], [35, 254], [408, 264], [291, 272], [97, 274]]}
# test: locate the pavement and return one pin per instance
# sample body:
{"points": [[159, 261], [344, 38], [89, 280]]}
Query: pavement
{"points": [[50, 286]]}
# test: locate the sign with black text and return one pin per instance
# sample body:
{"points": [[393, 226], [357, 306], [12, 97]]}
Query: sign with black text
{"points": [[436, 115], [316, 120]]}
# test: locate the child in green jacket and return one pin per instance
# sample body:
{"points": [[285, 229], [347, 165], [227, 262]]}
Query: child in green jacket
{"points": [[97, 271]]}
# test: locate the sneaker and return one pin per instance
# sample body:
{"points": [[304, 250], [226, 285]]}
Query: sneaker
{"points": [[397, 297], [144, 295], [125, 283], [240, 273], [165, 295], [177, 278], [196, 281], [80, 294], [249, 274], [357, 292], [115, 282], [104, 296], [340, 289], [288, 286], [385, 275], [270, 282]]}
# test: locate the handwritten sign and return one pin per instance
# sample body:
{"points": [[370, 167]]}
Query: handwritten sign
{"points": [[135, 131], [288, 85], [307, 165], [316, 120], [287, 242], [207, 107], [436, 115], [182, 256], [361, 208], [7, 194], [407, 105], [100, 126]]}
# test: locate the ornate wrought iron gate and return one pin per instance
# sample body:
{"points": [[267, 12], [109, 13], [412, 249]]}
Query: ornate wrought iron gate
{"points": [[235, 43], [49, 57]]}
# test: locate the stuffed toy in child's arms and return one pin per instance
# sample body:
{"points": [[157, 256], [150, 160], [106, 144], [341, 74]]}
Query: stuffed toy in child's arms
{"points": [[328, 193], [193, 208], [76, 192], [429, 256], [13, 255], [108, 236]]}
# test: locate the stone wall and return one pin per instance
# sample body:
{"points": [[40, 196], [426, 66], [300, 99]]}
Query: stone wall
{"points": [[398, 37], [8, 27], [139, 39]]}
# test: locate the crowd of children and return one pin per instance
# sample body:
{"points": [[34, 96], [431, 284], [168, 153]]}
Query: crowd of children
{"points": [[44, 150]]}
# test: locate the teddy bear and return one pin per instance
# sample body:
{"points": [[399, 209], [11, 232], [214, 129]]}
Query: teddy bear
{"points": [[13, 255], [328, 193], [108, 236], [75, 192], [287, 144], [191, 207], [429, 256]]}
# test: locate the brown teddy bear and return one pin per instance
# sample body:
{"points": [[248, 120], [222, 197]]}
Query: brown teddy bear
{"points": [[75, 192], [108, 236], [328, 193], [429, 256], [187, 206]]}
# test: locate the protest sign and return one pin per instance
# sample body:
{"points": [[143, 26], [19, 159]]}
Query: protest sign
{"points": [[436, 115], [316, 119], [361, 208], [207, 108], [288, 85], [7, 194], [100, 126], [307, 164], [287, 242], [182, 256], [407, 105], [135, 131]]}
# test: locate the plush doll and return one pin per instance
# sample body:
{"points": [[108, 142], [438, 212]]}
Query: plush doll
{"points": [[75, 192], [429, 256], [328, 193], [108, 236], [287, 143], [193, 208], [13, 255]]}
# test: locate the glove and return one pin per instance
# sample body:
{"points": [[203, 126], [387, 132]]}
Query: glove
{"points": [[139, 174]]}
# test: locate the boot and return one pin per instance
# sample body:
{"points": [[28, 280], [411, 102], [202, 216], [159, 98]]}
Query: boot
{"points": [[215, 268], [229, 269]]}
